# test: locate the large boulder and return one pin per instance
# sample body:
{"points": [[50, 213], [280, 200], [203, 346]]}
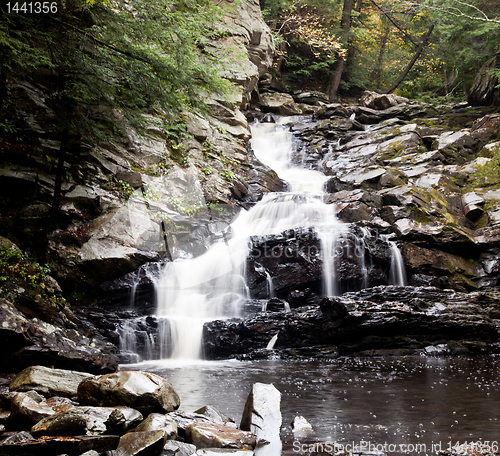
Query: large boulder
{"points": [[262, 415], [141, 390], [279, 103], [88, 421], [140, 443], [30, 341], [379, 101], [48, 381], [27, 409], [159, 422], [211, 435]]}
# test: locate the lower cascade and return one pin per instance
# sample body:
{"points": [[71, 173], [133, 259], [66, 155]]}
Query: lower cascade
{"points": [[214, 285]]}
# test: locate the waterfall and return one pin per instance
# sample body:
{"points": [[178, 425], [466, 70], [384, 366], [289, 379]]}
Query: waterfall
{"points": [[191, 292], [397, 274]]}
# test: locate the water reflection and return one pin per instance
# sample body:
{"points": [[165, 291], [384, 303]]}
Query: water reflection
{"points": [[414, 401]]}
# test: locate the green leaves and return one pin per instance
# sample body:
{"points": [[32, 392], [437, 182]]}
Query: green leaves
{"points": [[126, 57]]}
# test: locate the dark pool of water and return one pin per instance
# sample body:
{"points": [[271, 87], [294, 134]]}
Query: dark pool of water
{"points": [[407, 405]]}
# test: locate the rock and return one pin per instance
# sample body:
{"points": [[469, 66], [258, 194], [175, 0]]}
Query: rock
{"points": [[159, 422], [279, 103], [211, 435], [87, 421], [176, 448], [49, 382], [262, 415], [133, 178], [184, 419], [472, 204], [312, 97], [29, 408], [380, 317], [18, 437], [71, 446], [31, 341], [381, 101], [215, 415], [140, 443], [301, 427], [141, 390]]}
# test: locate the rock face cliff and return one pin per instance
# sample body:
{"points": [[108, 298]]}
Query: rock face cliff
{"points": [[129, 200]]}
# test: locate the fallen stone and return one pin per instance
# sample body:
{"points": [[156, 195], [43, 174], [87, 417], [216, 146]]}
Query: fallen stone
{"points": [[158, 422], [379, 101], [49, 382], [279, 103], [141, 390], [215, 416], [140, 443], [28, 409], [71, 446], [472, 204], [262, 415], [87, 421], [184, 419], [301, 427], [176, 448], [211, 435]]}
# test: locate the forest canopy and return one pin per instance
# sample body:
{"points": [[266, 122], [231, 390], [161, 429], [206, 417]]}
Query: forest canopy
{"points": [[375, 40]]}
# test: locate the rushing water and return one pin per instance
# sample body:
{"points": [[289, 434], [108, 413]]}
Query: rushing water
{"points": [[413, 404], [191, 292]]}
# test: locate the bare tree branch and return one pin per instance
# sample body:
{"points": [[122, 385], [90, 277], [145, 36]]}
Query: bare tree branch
{"points": [[457, 12]]}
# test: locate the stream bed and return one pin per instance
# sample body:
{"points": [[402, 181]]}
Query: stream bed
{"points": [[394, 405]]}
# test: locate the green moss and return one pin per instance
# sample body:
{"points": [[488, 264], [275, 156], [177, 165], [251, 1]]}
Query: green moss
{"points": [[488, 175]]}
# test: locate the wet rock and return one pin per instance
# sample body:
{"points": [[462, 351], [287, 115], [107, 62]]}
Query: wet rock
{"points": [[262, 415], [381, 101], [141, 390], [215, 416], [158, 422], [176, 448], [29, 408], [472, 204], [211, 435], [31, 341], [378, 318], [301, 427], [48, 381], [279, 103], [140, 443], [72, 446], [87, 421], [184, 419]]}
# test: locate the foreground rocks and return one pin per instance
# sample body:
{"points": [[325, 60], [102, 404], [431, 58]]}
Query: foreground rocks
{"points": [[56, 425]]}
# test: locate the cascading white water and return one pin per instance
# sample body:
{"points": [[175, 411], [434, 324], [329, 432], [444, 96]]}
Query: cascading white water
{"points": [[212, 286], [191, 292], [397, 273]]}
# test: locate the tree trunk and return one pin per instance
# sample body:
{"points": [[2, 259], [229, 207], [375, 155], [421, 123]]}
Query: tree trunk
{"points": [[464, 82], [415, 58], [346, 26], [377, 71]]}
